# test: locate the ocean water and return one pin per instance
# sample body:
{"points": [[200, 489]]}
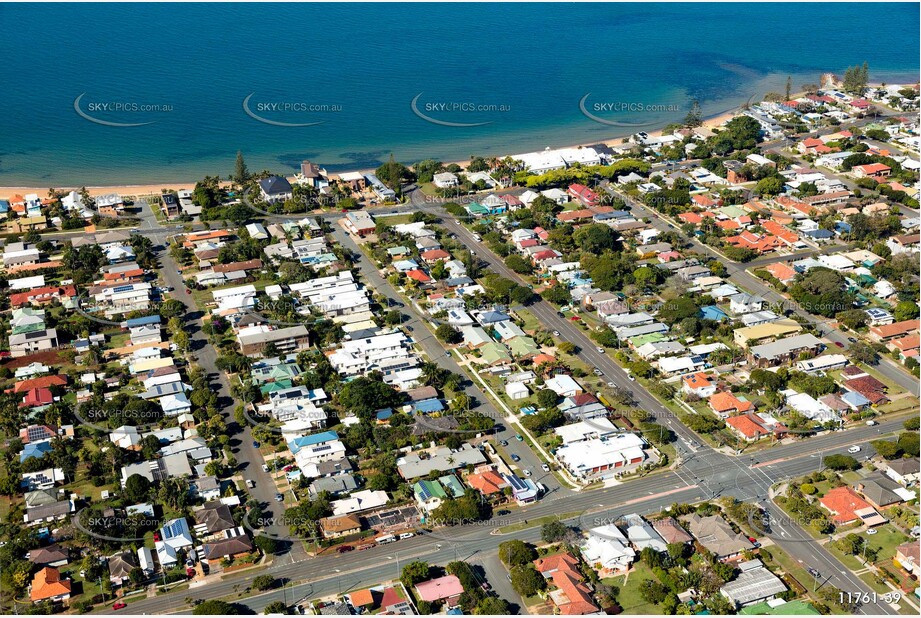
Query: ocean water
{"points": [[352, 71]]}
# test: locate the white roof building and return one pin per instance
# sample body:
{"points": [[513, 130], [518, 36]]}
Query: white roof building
{"points": [[607, 547], [601, 457], [360, 501], [563, 385], [586, 430]]}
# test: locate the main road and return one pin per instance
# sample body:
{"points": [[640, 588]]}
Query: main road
{"points": [[743, 478]]}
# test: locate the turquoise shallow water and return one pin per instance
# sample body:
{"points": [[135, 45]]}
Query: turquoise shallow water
{"points": [[364, 64]]}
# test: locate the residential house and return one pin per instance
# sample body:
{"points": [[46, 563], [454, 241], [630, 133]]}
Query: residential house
{"points": [[275, 189]]}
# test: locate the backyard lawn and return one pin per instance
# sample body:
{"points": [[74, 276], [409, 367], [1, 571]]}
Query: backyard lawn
{"points": [[629, 597]]}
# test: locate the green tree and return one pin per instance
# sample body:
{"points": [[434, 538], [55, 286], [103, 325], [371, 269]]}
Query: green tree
{"points": [[516, 552], [215, 607], [862, 353], [240, 171], [263, 582], [905, 310], [414, 572], [887, 449], [840, 462], [527, 581], [276, 607], [518, 264], [448, 333], [137, 488], [553, 531]]}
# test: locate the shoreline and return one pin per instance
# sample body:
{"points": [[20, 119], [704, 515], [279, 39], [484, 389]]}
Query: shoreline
{"points": [[129, 189], [155, 188]]}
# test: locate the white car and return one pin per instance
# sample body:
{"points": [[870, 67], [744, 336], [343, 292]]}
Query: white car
{"points": [[265, 468], [556, 333], [600, 350], [527, 473], [545, 468], [871, 531], [407, 535], [854, 449]]}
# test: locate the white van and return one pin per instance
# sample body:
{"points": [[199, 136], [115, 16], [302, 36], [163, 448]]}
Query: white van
{"points": [[383, 540]]}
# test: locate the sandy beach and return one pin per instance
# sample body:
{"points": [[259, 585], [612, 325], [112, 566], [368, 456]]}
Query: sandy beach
{"points": [[147, 189]]}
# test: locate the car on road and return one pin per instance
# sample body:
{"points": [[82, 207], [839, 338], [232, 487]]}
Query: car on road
{"points": [[515, 457], [545, 468], [279, 498], [631, 378], [255, 444], [611, 384], [839, 344], [560, 314], [504, 443], [556, 333], [120, 605], [250, 483], [852, 339], [477, 237], [519, 437], [854, 449], [265, 468], [870, 423], [597, 371], [485, 586], [600, 350], [407, 535], [503, 512], [814, 572], [527, 473], [344, 548]]}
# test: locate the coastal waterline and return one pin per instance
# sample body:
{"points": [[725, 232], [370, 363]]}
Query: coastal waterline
{"points": [[356, 69]]}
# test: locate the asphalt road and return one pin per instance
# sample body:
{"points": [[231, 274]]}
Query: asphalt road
{"points": [[248, 457]]}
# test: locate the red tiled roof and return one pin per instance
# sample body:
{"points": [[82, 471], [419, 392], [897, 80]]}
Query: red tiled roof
{"points": [[842, 502], [575, 215], [487, 483], [547, 254], [745, 425], [40, 382], [872, 168], [703, 200], [38, 397], [48, 584], [780, 231], [418, 275], [896, 328], [781, 271], [44, 294], [434, 254], [726, 402], [698, 380]]}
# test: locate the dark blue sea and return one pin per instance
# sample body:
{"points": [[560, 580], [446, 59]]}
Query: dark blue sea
{"points": [[347, 75]]}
